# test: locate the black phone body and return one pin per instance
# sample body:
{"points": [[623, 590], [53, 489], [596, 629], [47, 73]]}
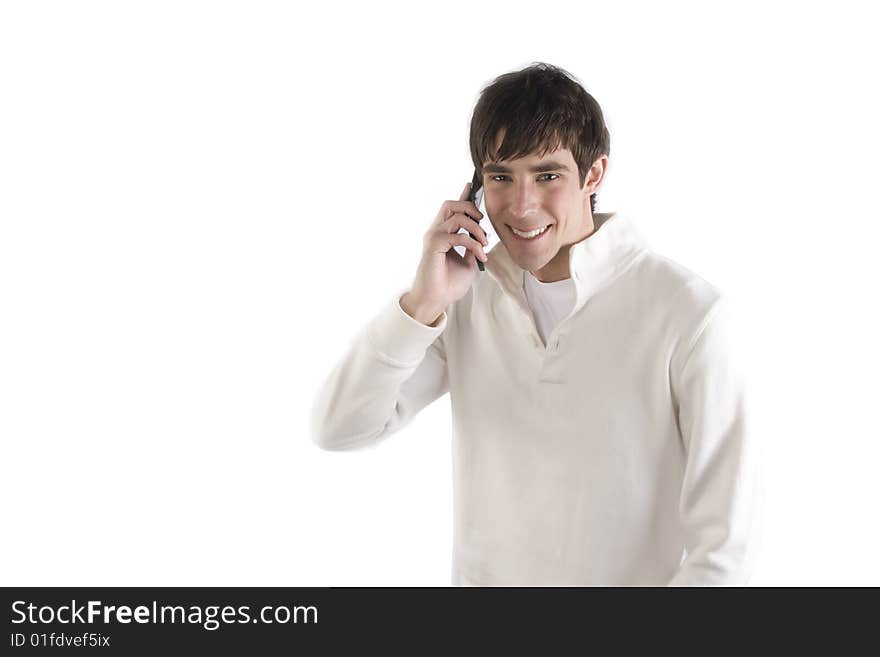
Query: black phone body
{"points": [[476, 197]]}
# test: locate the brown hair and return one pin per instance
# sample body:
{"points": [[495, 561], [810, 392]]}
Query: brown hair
{"points": [[541, 108]]}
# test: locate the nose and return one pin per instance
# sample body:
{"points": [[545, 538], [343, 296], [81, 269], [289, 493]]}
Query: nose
{"points": [[525, 201]]}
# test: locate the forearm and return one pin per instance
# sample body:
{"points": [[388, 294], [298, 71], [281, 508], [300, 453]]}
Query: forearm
{"points": [[390, 372]]}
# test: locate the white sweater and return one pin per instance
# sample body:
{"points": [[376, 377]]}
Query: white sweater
{"points": [[602, 458]]}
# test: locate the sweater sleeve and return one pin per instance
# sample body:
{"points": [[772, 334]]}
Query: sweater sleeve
{"points": [[395, 367], [720, 503]]}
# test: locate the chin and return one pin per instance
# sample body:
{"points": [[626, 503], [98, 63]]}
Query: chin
{"points": [[533, 265]]}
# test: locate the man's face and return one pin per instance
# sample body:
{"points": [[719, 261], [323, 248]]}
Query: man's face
{"points": [[536, 192]]}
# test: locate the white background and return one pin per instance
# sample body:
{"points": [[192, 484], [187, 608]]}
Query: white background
{"points": [[202, 203]]}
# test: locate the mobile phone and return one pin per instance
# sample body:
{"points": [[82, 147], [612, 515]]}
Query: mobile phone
{"points": [[476, 197]]}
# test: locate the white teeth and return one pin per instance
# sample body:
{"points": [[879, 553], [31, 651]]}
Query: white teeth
{"points": [[530, 234]]}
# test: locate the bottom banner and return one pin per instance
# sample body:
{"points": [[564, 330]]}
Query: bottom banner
{"points": [[146, 620]]}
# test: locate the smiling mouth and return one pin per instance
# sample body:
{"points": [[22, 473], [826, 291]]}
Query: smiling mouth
{"points": [[529, 235]]}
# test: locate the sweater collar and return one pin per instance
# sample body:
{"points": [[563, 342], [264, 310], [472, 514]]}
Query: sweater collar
{"points": [[594, 262]]}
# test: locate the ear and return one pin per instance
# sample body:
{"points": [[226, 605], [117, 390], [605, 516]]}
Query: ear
{"points": [[595, 175]]}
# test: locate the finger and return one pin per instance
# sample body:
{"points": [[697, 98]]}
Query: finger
{"points": [[459, 221], [462, 239], [441, 242], [464, 207]]}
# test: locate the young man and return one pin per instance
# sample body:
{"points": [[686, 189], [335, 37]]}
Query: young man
{"points": [[600, 433]]}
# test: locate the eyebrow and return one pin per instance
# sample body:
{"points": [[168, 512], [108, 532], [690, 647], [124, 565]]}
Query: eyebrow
{"points": [[549, 165]]}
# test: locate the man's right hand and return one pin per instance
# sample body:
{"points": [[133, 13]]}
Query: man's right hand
{"points": [[444, 276]]}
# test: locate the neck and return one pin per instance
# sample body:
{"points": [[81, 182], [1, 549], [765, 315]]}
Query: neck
{"points": [[557, 269]]}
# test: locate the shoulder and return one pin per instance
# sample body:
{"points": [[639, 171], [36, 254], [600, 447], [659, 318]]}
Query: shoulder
{"points": [[681, 289], [705, 319], [480, 306], [686, 301]]}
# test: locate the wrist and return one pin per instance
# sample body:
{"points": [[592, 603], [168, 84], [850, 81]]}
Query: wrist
{"points": [[419, 310]]}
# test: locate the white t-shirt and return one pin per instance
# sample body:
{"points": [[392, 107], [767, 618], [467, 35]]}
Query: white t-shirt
{"points": [[550, 302]]}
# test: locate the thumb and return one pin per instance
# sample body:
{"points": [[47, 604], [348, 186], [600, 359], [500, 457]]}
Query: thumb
{"points": [[466, 193]]}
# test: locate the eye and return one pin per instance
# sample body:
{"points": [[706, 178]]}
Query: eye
{"points": [[555, 176]]}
